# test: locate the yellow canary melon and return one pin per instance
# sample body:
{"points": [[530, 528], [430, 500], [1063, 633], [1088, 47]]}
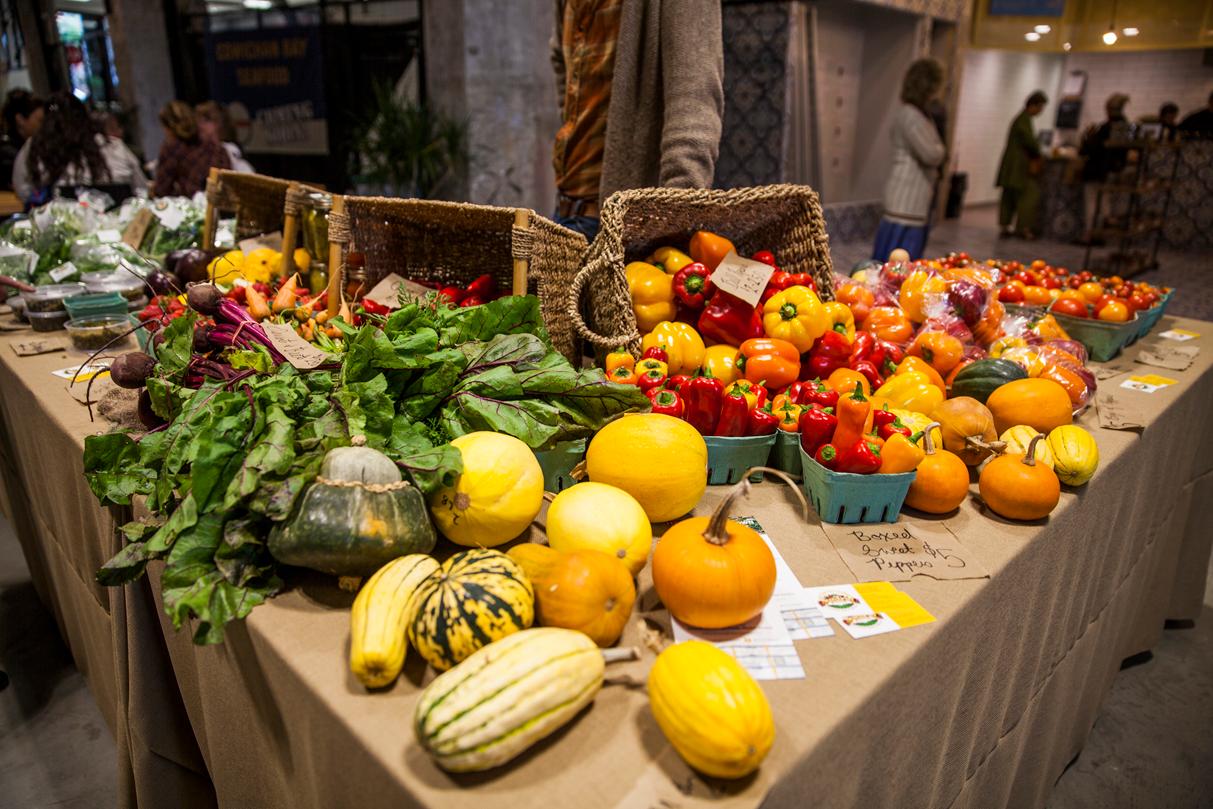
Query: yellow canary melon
{"points": [[599, 517], [226, 268], [659, 460], [262, 264], [495, 498]]}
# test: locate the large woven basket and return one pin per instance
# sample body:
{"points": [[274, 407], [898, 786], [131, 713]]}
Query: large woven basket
{"points": [[260, 203], [454, 243], [785, 219]]}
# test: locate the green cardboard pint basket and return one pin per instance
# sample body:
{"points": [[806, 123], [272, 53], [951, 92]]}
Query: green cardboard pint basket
{"points": [[785, 456], [729, 457], [557, 464], [1150, 317], [1103, 340], [842, 497]]}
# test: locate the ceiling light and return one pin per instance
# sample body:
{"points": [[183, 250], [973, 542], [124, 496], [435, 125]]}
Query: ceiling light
{"points": [[1043, 29], [1130, 32], [1031, 36], [1066, 46], [1109, 38], [258, 5]]}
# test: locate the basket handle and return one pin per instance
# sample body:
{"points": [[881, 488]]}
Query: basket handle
{"points": [[579, 324]]}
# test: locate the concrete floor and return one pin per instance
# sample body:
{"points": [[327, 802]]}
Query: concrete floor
{"points": [[1151, 747]]}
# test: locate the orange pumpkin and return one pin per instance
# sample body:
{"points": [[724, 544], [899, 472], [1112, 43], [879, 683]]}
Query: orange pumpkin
{"points": [[942, 482], [712, 572], [967, 428], [588, 591], [1018, 488], [889, 323], [1042, 404]]}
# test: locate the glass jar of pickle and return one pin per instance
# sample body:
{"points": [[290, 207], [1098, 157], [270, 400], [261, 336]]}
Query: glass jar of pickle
{"points": [[355, 276], [315, 227]]}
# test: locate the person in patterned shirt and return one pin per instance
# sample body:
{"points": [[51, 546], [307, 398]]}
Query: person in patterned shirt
{"points": [[185, 158]]}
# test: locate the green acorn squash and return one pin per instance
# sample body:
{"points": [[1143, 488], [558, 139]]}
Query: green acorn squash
{"points": [[358, 515], [981, 378]]}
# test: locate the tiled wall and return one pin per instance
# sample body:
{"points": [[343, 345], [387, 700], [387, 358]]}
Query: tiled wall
{"points": [[840, 56], [1149, 78]]}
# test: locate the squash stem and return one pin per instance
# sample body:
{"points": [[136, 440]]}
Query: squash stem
{"points": [[620, 655], [1029, 458], [928, 442]]}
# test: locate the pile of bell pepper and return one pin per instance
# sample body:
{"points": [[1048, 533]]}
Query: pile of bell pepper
{"points": [[846, 434]]}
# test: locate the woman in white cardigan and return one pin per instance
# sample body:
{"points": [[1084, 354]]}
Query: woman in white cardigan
{"points": [[918, 152]]}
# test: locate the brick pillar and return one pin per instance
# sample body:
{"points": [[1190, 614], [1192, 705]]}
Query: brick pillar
{"points": [[145, 74]]}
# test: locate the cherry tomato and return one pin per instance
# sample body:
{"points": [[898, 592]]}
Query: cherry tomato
{"points": [[1035, 295], [1074, 282], [1138, 302], [1114, 311], [1091, 291], [1070, 306], [1011, 293], [1050, 282]]}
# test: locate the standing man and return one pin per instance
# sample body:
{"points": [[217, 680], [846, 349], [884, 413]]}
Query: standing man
{"points": [[1200, 123], [640, 88], [1021, 165]]}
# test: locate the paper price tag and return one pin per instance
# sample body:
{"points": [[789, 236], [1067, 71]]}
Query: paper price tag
{"points": [[41, 345], [298, 352], [84, 373], [1179, 335], [902, 550], [136, 229], [271, 240], [64, 270], [109, 236], [742, 277], [170, 216], [1171, 357], [389, 291], [1148, 383]]}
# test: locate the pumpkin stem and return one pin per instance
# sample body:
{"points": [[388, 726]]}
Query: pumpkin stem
{"points": [[928, 442], [717, 532], [549, 496], [1029, 458], [620, 655], [997, 447]]}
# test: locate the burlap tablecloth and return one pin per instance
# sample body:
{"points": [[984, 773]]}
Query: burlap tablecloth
{"points": [[982, 708]]}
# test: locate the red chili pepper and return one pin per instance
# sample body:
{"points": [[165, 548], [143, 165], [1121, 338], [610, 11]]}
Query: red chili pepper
{"points": [[693, 285], [652, 378], [816, 427], [766, 257], [890, 356], [828, 354], [668, 403], [730, 320], [471, 300], [827, 456], [655, 353], [776, 284], [882, 417], [734, 415], [884, 431], [701, 397], [452, 295], [677, 381], [374, 308], [863, 346], [861, 458], [868, 369], [818, 393], [763, 421], [484, 286]]}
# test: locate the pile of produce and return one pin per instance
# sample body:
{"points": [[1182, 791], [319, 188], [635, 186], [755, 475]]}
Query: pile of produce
{"points": [[1081, 294]]}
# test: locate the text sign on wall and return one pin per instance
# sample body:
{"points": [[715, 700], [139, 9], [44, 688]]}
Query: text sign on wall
{"points": [[272, 82], [1027, 8]]}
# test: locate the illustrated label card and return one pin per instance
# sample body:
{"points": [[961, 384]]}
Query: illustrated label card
{"points": [[802, 618], [761, 645], [1147, 383], [83, 373], [899, 551], [844, 604], [1179, 335]]}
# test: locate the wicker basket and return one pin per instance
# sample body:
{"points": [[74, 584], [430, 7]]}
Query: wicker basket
{"points": [[785, 219], [453, 243], [259, 202]]}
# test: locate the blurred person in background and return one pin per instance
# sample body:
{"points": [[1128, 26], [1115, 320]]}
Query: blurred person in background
{"points": [[70, 151], [1200, 123], [215, 125], [1102, 161], [1168, 117], [185, 158], [22, 116], [1021, 165], [918, 153], [628, 118]]}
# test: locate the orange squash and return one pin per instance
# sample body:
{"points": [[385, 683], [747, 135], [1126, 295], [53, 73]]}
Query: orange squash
{"points": [[968, 429], [536, 560], [1018, 488], [588, 591], [712, 572], [942, 482], [1039, 403]]}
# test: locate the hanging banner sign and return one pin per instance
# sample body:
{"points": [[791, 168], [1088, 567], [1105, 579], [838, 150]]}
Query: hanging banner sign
{"points": [[272, 82]]}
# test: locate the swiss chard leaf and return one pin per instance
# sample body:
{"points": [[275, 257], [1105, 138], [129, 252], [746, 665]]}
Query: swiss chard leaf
{"points": [[173, 353], [513, 314], [115, 469]]}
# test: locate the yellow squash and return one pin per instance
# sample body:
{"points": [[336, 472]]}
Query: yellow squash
{"points": [[1019, 437], [495, 498], [710, 709], [659, 460], [599, 517], [379, 619], [1075, 454]]}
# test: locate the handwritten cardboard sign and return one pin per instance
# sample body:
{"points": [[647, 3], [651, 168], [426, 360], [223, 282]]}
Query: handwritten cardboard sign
{"points": [[38, 345], [742, 277], [1117, 413], [136, 229], [902, 550], [271, 240], [1109, 371], [392, 289], [1172, 357], [298, 352]]}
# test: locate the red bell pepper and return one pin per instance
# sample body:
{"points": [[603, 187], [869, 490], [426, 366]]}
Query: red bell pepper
{"points": [[831, 352], [800, 279], [894, 427], [701, 397], [777, 283], [484, 287], [882, 417], [887, 356], [795, 391], [693, 286], [818, 393], [650, 379], [816, 427], [734, 415], [372, 308], [730, 320], [763, 421], [452, 295], [656, 352], [668, 403], [863, 346], [861, 458], [471, 300], [868, 369], [827, 456], [677, 381]]}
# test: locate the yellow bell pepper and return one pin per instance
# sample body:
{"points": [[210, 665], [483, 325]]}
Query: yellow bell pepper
{"points": [[682, 345], [670, 259], [912, 391], [899, 454], [796, 316], [619, 358], [652, 294], [1026, 357], [721, 362], [1003, 343], [914, 291], [841, 319]]}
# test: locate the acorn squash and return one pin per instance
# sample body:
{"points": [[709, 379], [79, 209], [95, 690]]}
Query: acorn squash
{"points": [[980, 378], [1042, 404]]}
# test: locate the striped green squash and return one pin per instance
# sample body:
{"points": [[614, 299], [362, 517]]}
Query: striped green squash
{"points": [[476, 597], [507, 696]]}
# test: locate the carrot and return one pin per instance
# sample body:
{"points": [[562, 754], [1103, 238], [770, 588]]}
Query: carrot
{"points": [[285, 299], [257, 306]]}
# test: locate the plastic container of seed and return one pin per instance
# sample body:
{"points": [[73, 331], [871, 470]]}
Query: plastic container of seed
{"points": [[50, 298], [47, 321], [92, 333], [124, 283]]}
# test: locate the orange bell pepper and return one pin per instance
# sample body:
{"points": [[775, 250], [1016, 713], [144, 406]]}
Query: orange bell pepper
{"points": [[858, 298], [939, 349], [915, 291], [914, 363], [619, 358], [789, 417], [766, 360], [900, 454], [843, 380], [623, 375], [710, 249], [889, 323]]}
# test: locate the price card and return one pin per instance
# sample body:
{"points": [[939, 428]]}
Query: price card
{"points": [[742, 277], [64, 270], [38, 345], [1172, 357], [271, 240], [1148, 383], [390, 291], [136, 229], [171, 216], [109, 236], [298, 352], [1179, 335], [84, 373]]}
